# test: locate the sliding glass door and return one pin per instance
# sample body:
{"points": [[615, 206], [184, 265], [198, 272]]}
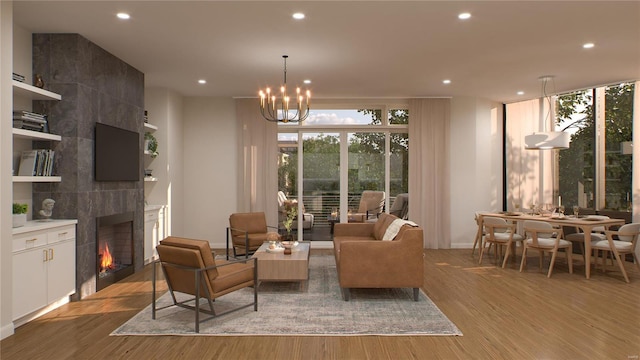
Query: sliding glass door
{"points": [[335, 155]]}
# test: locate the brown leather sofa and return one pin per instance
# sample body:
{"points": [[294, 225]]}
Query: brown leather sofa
{"points": [[364, 260]]}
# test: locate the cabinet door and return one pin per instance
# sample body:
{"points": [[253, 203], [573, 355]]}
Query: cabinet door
{"points": [[61, 271], [29, 281], [150, 234]]}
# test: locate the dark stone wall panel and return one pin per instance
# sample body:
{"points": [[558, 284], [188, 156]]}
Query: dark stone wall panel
{"points": [[95, 87]]}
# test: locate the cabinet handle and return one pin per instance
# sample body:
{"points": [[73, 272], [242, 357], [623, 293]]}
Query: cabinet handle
{"points": [[30, 240], [50, 254], [63, 233], [45, 257]]}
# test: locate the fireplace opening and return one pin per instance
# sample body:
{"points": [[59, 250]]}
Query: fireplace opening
{"points": [[114, 249]]}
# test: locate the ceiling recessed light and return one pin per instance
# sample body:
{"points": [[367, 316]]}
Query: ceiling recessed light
{"points": [[447, 81], [520, 93], [588, 45], [123, 16], [202, 81], [298, 16], [307, 81], [464, 16]]}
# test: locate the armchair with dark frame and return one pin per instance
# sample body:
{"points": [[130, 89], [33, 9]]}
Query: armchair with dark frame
{"points": [[371, 205], [246, 232], [189, 267]]}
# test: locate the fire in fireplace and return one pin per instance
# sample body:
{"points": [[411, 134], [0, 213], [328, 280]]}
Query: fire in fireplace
{"points": [[114, 249]]}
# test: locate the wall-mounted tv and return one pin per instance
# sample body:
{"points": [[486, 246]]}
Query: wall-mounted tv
{"points": [[117, 154]]}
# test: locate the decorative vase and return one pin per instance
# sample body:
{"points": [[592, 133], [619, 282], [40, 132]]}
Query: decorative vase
{"points": [[39, 83], [287, 247], [19, 220]]}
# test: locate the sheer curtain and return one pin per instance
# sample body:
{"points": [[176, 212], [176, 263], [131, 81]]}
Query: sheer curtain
{"points": [[429, 170], [258, 161], [530, 173]]}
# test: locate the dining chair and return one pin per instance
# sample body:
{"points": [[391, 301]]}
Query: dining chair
{"points": [[500, 233], [480, 233], [597, 233], [627, 238], [544, 237]]}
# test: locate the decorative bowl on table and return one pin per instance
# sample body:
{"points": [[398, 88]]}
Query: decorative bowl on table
{"points": [[288, 245]]}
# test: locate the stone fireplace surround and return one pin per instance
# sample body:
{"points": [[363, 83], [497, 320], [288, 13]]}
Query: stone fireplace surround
{"points": [[95, 86]]}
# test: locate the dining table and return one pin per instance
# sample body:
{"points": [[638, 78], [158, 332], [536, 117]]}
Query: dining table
{"points": [[584, 223]]}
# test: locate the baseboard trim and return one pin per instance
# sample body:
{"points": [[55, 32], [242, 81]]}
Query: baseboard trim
{"points": [[6, 331]]}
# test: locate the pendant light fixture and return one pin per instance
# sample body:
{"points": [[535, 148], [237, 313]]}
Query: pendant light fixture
{"points": [[547, 140], [280, 110]]}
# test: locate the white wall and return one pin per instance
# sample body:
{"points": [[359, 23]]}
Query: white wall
{"points": [[476, 164], [165, 109], [210, 183], [6, 67]]}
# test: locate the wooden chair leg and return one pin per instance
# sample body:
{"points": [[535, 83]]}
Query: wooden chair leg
{"points": [[553, 261], [507, 253], [621, 264], [524, 258], [569, 252], [482, 252], [541, 252]]}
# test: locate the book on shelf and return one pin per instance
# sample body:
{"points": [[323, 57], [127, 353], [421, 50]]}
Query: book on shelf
{"points": [[36, 162], [28, 115], [18, 77]]}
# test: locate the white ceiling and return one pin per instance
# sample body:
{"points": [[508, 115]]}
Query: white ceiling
{"points": [[359, 49]]}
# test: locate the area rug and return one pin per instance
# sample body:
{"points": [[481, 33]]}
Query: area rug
{"points": [[310, 308]]}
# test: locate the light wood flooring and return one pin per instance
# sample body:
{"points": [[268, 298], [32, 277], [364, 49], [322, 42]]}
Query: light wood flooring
{"points": [[503, 314]]}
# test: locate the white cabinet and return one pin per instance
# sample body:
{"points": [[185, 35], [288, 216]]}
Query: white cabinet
{"points": [[44, 267], [153, 231]]}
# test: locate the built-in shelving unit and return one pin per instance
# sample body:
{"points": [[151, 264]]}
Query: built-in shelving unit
{"points": [[27, 91], [150, 128]]}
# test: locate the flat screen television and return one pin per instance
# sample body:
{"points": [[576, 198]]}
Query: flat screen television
{"points": [[117, 154]]}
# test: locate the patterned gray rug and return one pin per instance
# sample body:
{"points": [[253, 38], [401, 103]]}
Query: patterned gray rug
{"points": [[312, 308]]}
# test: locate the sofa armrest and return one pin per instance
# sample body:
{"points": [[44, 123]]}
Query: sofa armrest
{"points": [[353, 229]]}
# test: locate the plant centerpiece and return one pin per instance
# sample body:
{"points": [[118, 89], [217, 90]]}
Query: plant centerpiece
{"points": [[291, 210], [151, 144], [19, 214]]}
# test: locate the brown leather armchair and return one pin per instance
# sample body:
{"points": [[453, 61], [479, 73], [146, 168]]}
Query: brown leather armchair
{"points": [[189, 267], [371, 205], [247, 231]]}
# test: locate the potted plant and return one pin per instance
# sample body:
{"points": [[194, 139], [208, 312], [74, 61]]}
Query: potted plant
{"points": [[19, 214], [151, 144], [291, 212]]}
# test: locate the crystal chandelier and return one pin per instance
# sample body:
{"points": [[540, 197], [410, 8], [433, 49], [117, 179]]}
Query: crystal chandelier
{"points": [[277, 109]]}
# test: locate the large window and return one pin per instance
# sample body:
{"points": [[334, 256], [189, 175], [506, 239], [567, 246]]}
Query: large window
{"points": [[344, 151], [595, 172]]}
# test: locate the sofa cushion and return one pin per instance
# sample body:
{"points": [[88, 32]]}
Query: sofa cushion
{"points": [[382, 224]]}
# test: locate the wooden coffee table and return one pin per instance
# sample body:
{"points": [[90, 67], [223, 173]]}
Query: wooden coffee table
{"points": [[276, 266]]}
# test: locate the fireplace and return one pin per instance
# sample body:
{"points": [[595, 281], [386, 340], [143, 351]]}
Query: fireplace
{"points": [[114, 250]]}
